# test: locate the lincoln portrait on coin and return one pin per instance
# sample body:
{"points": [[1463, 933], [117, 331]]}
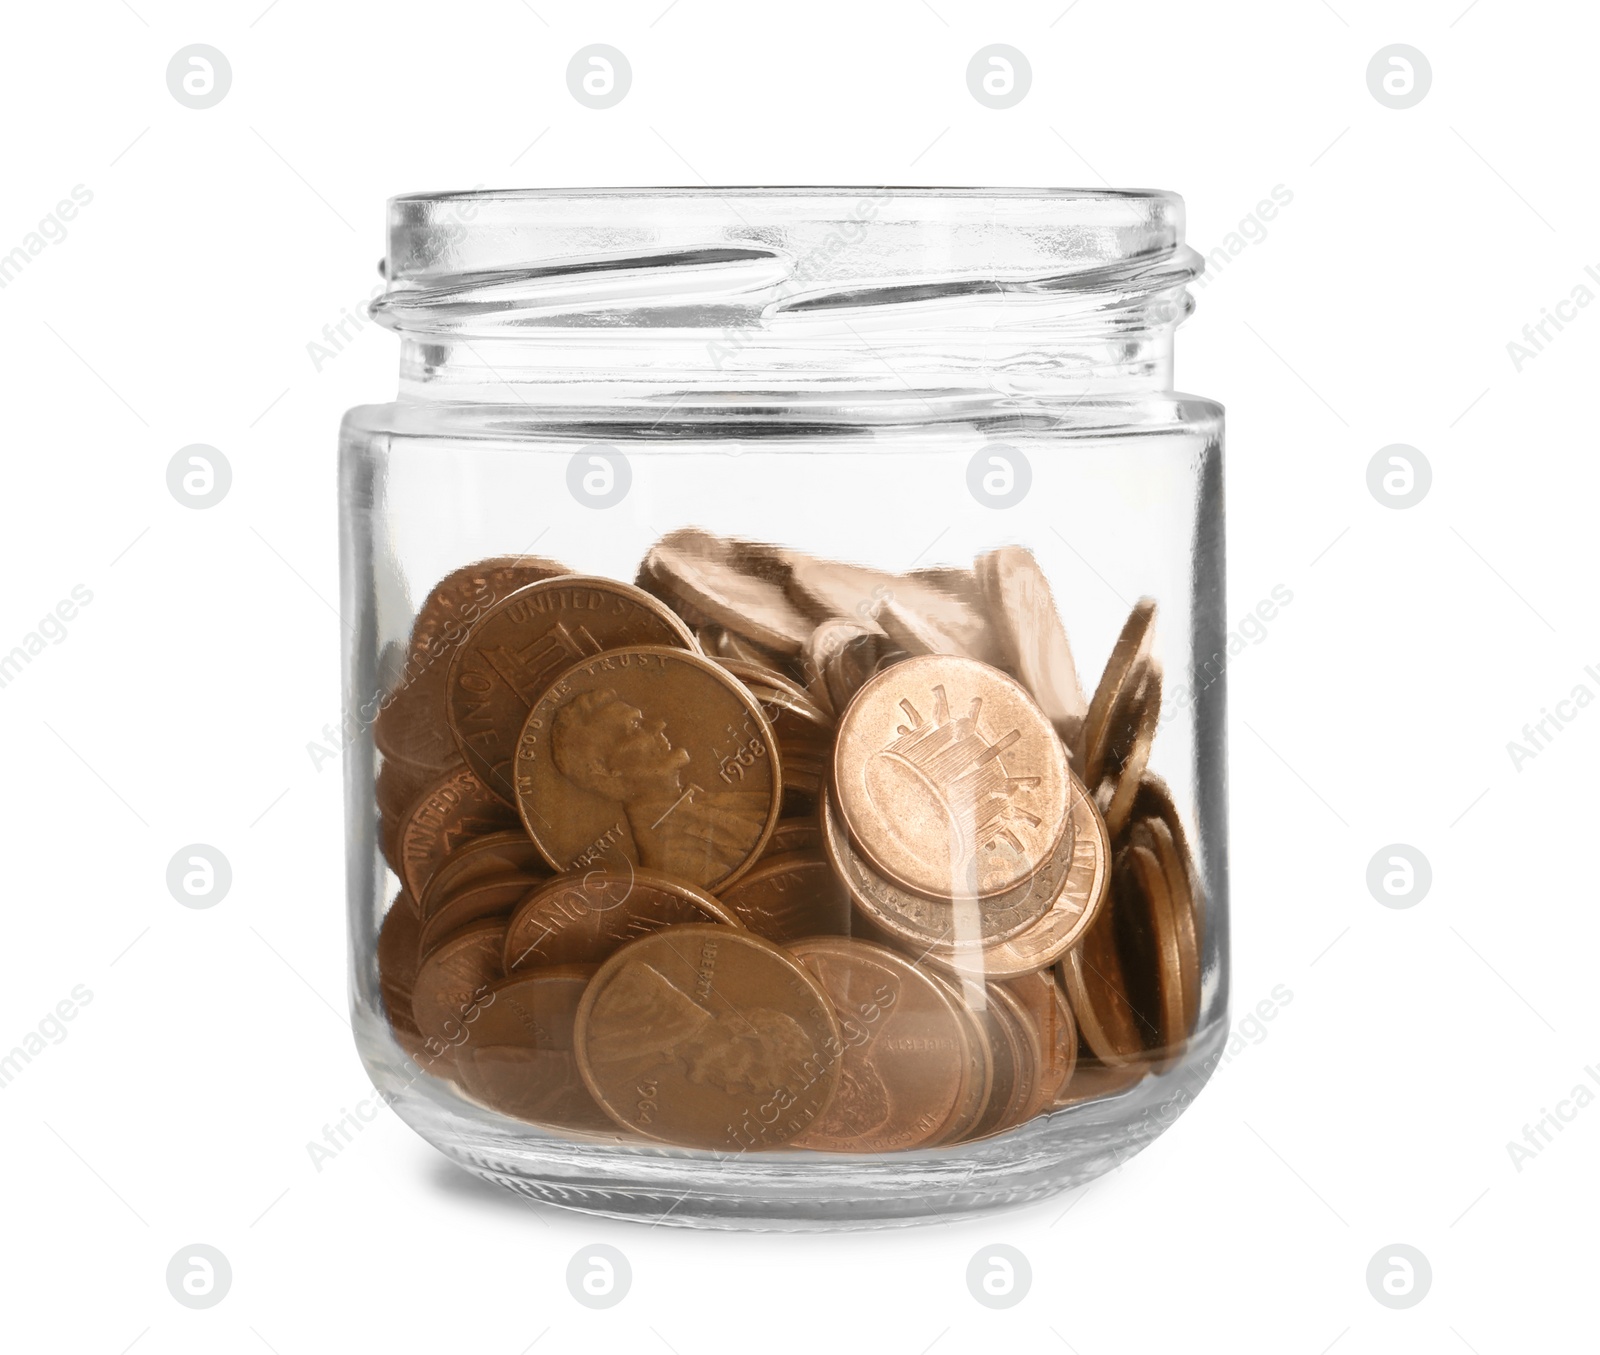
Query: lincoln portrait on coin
{"points": [[603, 744]]}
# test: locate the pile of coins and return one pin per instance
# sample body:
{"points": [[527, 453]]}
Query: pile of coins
{"points": [[770, 851]]}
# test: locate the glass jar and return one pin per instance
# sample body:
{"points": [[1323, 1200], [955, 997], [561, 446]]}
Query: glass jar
{"points": [[786, 690]]}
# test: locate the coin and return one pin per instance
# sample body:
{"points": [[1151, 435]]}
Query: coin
{"points": [[720, 643], [522, 644], [949, 778], [410, 727], [1133, 728], [1017, 1058], [479, 858], [708, 1037], [396, 954], [583, 917], [453, 981], [496, 896], [837, 658], [906, 1051], [1097, 986], [453, 809], [1154, 834], [652, 756], [1147, 937], [518, 1057], [978, 1078], [1042, 997], [1093, 1081], [1154, 801], [694, 573], [945, 926], [784, 898], [1116, 683], [800, 834], [1031, 635]]}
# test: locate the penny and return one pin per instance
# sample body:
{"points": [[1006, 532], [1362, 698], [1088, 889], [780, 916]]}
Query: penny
{"points": [[496, 896], [506, 853], [1147, 937], [410, 724], [451, 810], [396, 954], [651, 756], [583, 917], [720, 643], [1017, 1062], [453, 982], [1093, 1081], [755, 675], [1133, 728], [784, 898], [1031, 635], [694, 573], [1154, 801], [905, 1049], [945, 926], [949, 778], [522, 644], [917, 634], [1045, 1002], [1121, 674], [804, 734], [978, 1079], [518, 1058], [1097, 986], [803, 834], [708, 1037], [1154, 834], [837, 658]]}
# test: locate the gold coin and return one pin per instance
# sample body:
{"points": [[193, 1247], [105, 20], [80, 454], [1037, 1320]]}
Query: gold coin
{"points": [[480, 858], [784, 898], [1045, 1002], [1116, 685], [583, 917], [524, 642], [906, 1053], [654, 757], [453, 982], [949, 778], [1031, 635], [1133, 728], [452, 810], [697, 575], [495, 897], [708, 1037], [518, 1056]]}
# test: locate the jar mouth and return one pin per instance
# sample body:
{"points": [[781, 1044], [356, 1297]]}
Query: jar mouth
{"points": [[723, 283]]}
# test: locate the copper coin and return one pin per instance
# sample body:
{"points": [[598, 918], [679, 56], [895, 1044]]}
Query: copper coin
{"points": [[518, 1056], [697, 574], [452, 810], [506, 853], [524, 642], [410, 725], [708, 1037], [906, 1049], [583, 917], [1015, 1045], [1153, 961], [497, 896], [651, 756], [1154, 801], [949, 778], [1117, 684], [719, 643], [453, 982], [1097, 986], [760, 675], [839, 636], [1045, 1002], [945, 926], [802, 834], [1154, 834], [922, 607], [1031, 635], [786, 897], [397, 960], [1133, 728], [1093, 1081], [979, 1078]]}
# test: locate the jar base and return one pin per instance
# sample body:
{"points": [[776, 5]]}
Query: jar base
{"points": [[791, 1192]]}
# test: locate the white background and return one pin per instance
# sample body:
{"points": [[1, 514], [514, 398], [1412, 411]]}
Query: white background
{"points": [[1376, 1107]]}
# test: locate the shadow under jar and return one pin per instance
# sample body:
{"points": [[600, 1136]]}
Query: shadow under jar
{"points": [[786, 688]]}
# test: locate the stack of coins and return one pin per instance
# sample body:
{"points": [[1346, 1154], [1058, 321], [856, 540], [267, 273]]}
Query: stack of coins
{"points": [[769, 851]]}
